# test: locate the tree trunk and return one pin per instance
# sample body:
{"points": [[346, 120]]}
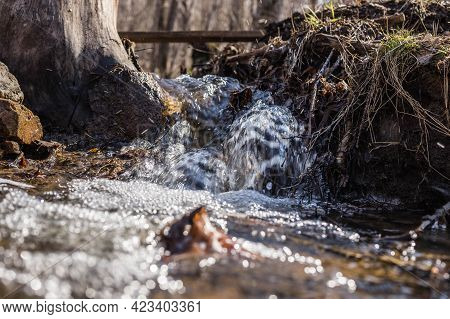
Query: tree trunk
{"points": [[57, 47]]}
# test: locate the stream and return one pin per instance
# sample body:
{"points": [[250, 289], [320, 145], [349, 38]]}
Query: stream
{"points": [[98, 238]]}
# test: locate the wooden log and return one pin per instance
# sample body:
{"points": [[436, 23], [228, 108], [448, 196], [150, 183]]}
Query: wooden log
{"points": [[192, 36]]}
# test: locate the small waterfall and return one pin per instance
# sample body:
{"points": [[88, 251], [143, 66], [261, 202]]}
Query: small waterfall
{"points": [[260, 148], [213, 147]]}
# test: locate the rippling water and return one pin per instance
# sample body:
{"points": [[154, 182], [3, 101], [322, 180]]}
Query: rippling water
{"points": [[99, 238]]}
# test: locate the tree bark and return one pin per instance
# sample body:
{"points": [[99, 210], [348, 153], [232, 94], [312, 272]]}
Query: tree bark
{"points": [[56, 47]]}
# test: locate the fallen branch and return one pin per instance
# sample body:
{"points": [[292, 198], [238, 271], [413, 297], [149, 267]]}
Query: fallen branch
{"points": [[192, 36], [439, 217], [267, 50], [335, 42], [8, 182]]}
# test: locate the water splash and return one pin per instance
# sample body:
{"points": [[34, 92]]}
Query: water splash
{"points": [[261, 148], [217, 149]]}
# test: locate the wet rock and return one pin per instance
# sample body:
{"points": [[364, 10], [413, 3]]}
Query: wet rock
{"points": [[194, 233], [41, 150], [18, 123], [9, 87], [9, 148], [126, 104]]}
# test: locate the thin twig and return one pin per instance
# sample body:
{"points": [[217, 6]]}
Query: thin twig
{"points": [[314, 94]]}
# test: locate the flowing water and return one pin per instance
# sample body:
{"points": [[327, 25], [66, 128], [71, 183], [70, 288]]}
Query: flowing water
{"points": [[99, 238]]}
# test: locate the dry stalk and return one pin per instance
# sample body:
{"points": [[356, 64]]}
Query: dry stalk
{"points": [[319, 75]]}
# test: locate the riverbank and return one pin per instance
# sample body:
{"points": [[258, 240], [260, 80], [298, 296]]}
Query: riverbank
{"points": [[371, 83]]}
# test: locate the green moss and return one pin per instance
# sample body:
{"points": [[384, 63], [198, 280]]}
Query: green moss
{"points": [[443, 51], [400, 42]]}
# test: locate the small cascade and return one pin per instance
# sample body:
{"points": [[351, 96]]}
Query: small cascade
{"points": [[261, 146], [216, 148]]}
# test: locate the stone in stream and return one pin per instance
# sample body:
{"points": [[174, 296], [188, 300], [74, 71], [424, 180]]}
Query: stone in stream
{"points": [[9, 87], [10, 148], [18, 123], [126, 104], [41, 150]]}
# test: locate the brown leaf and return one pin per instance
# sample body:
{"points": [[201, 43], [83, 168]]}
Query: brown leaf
{"points": [[195, 233]]}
